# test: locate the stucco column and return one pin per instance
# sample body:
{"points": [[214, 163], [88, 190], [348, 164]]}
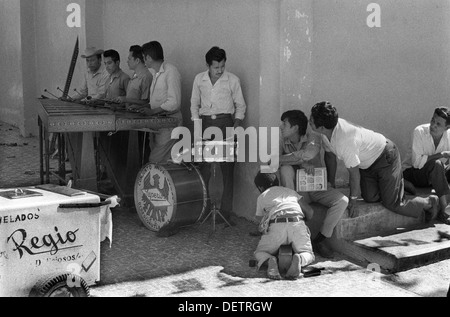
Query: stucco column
{"points": [[285, 59], [28, 56]]}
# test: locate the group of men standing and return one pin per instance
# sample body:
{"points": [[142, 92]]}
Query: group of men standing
{"points": [[155, 88]]}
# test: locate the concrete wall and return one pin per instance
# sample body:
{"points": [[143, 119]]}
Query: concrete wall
{"points": [[11, 85], [55, 43], [388, 79]]}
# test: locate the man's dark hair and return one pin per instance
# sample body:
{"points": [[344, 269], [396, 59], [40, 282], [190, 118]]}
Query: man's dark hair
{"points": [[324, 115], [266, 180], [298, 118], [444, 113], [215, 54], [115, 57], [154, 50], [136, 51]]}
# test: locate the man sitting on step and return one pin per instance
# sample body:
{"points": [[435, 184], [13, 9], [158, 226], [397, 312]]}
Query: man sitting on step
{"points": [[427, 161], [282, 212]]}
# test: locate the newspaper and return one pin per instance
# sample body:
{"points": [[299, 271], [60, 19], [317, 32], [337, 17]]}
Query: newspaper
{"points": [[312, 183]]}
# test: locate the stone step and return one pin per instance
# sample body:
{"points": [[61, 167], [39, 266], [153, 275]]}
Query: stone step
{"points": [[378, 236], [401, 251], [409, 249]]}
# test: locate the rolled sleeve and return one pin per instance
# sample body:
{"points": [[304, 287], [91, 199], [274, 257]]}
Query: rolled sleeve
{"points": [[173, 101], [259, 207], [239, 102], [350, 155], [311, 150], [418, 157], [195, 100]]}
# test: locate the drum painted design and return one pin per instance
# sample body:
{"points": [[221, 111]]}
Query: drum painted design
{"points": [[169, 194]]}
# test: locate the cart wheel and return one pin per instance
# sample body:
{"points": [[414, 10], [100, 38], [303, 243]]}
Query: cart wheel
{"points": [[60, 286]]}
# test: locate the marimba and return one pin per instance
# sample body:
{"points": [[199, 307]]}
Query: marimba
{"points": [[79, 123]]}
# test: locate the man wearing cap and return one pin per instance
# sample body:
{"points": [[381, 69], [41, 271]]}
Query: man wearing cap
{"points": [[217, 101], [94, 80], [117, 83]]}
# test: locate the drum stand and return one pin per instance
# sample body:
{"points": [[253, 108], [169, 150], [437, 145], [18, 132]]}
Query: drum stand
{"points": [[214, 211]]}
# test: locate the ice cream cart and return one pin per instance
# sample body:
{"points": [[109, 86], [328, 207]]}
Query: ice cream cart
{"points": [[50, 241]]}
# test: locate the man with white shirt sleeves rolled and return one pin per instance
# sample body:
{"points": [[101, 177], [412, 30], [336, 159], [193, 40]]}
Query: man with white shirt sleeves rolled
{"points": [[165, 98], [427, 161], [373, 162], [217, 101]]}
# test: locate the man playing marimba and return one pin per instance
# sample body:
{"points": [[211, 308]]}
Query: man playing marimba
{"points": [[165, 97], [117, 83], [94, 80], [138, 90]]}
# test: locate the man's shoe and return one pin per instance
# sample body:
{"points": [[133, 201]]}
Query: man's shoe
{"points": [[295, 269], [431, 213], [322, 250], [272, 269], [409, 187], [443, 217]]}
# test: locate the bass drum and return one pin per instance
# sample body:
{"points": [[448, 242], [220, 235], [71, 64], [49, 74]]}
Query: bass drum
{"points": [[169, 194]]}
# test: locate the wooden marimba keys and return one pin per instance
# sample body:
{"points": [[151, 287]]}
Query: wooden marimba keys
{"points": [[79, 124]]}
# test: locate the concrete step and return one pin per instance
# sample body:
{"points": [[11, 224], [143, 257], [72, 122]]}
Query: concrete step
{"points": [[378, 236], [409, 249]]}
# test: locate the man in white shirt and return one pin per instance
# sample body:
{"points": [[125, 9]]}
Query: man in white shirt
{"points": [[373, 162], [217, 101], [427, 161], [165, 98], [94, 80]]}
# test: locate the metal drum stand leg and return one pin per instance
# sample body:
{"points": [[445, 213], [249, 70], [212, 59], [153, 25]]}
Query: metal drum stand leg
{"points": [[214, 211]]}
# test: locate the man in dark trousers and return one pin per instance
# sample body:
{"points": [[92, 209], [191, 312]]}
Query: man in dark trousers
{"points": [[373, 163], [217, 101]]}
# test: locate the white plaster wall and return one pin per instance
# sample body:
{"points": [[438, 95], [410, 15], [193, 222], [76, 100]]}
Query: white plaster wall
{"points": [[388, 79], [11, 86]]}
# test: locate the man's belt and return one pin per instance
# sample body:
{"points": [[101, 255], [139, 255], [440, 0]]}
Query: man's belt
{"points": [[286, 219], [217, 116]]}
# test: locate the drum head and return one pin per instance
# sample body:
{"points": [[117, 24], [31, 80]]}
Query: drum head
{"points": [[169, 194], [154, 196]]}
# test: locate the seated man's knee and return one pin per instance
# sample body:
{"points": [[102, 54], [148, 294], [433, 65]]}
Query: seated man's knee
{"points": [[438, 165], [374, 198], [343, 202], [286, 172]]}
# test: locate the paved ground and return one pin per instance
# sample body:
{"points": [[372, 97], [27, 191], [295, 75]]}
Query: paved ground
{"points": [[197, 262]]}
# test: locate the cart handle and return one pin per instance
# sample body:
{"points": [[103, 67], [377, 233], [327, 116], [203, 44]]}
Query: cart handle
{"points": [[84, 205]]}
